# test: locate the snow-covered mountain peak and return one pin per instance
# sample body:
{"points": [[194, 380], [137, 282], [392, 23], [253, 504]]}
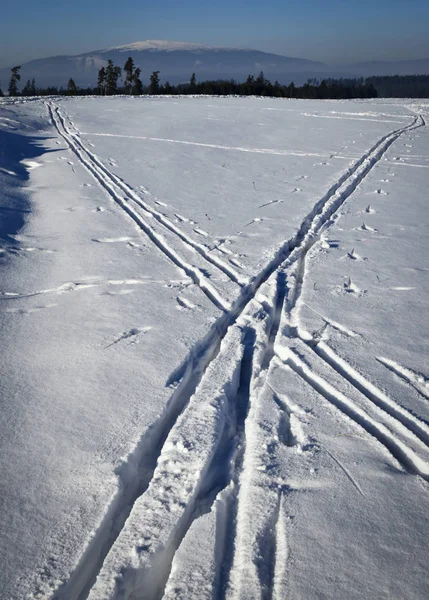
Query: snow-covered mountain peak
{"points": [[163, 45]]}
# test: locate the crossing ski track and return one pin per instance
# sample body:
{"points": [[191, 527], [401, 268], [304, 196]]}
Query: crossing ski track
{"points": [[209, 429]]}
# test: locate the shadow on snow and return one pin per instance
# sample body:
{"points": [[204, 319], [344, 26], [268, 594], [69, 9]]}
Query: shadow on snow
{"points": [[15, 202]]}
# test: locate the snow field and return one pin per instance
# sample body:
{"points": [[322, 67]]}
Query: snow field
{"points": [[288, 432]]}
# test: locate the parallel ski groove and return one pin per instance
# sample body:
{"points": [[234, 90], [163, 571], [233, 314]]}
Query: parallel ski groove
{"points": [[82, 579], [200, 248], [370, 391], [418, 381], [405, 455], [194, 273], [263, 356]]}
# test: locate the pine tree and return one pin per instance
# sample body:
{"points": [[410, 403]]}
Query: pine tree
{"points": [[1, 93], [138, 85], [132, 78], [154, 83], [129, 75], [71, 88], [192, 83], [13, 84], [101, 82], [33, 87], [112, 75], [260, 84], [26, 90]]}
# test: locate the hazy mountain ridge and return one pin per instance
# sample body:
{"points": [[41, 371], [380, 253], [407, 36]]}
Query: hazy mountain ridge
{"points": [[176, 61]]}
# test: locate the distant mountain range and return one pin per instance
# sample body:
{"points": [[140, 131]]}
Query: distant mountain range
{"points": [[176, 61]]}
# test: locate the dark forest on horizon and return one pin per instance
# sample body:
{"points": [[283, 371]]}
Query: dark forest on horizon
{"points": [[114, 80]]}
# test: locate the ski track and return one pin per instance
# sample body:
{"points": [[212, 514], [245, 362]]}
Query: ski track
{"points": [[216, 407], [107, 181], [419, 382], [401, 451], [160, 217], [217, 146]]}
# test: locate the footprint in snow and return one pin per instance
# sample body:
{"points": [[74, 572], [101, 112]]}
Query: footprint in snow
{"points": [[29, 311], [21, 250], [350, 288], [367, 211], [256, 220], [365, 227], [111, 240], [132, 335], [269, 203], [224, 250], [327, 244], [141, 248], [201, 232], [353, 255], [236, 263], [74, 208], [184, 303], [180, 218]]}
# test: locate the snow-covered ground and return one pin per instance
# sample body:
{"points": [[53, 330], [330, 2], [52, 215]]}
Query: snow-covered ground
{"points": [[214, 377]]}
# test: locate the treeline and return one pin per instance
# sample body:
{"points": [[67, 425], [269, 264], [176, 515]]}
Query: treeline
{"points": [[109, 78], [401, 86], [259, 86]]}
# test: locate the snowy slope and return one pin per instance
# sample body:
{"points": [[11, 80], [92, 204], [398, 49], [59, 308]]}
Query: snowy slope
{"points": [[215, 383]]}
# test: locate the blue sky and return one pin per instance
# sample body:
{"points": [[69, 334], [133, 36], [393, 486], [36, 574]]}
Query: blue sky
{"points": [[333, 31]]}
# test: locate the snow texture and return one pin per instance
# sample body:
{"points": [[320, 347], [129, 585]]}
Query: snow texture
{"points": [[214, 381]]}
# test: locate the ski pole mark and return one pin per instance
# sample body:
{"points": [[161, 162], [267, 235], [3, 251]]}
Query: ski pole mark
{"points": [[344, 469]]}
